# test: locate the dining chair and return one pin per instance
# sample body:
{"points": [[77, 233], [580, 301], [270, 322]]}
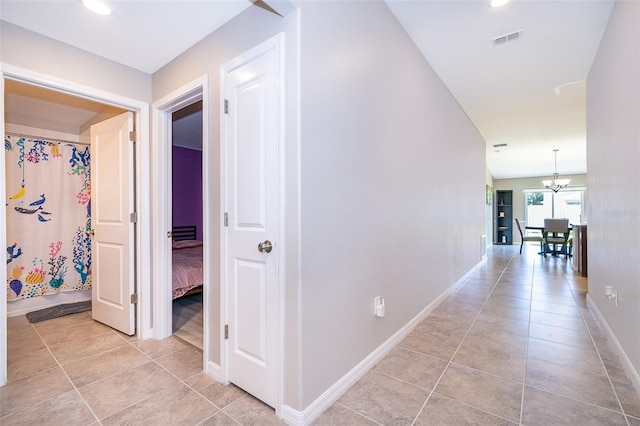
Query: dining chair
{"points": [[524, 238], [556, 232]]}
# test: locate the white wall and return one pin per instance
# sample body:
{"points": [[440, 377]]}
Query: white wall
{"points": [[25, 49], [250, 28], [393, 185], [613, 155]]}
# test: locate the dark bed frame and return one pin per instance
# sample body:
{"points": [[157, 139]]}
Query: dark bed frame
{"points": [[181, 233]]}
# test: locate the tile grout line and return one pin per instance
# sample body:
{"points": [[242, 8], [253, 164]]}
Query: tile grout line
{"points": [[615, 392], [148, 359], [75, 388], [359, 414], [156, 393], [573, 296], [526, 352], [220, 409], [474, 407], [576, 400], [217, 413], [460, 344]]}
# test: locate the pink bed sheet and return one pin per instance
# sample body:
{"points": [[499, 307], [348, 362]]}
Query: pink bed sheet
{"points": [[187, 269]]}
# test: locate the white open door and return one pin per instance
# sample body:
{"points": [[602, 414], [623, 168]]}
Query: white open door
{"points": [[251, 85], [112, 203]]}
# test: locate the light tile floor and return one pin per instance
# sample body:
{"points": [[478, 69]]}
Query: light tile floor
{"points": [[516, 344], [75, 371], [188, 319]]}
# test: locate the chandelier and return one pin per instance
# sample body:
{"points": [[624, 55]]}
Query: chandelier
{"points": [[556, 184]]}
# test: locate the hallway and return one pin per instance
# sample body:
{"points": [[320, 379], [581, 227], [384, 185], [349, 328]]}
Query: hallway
{"points": [[516, 344]]}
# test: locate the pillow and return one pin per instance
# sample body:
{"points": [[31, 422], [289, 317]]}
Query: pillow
{"points": [[186, 244]]}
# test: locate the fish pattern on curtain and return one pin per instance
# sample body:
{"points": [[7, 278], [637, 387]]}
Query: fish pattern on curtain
{"points": [[48, 215]]}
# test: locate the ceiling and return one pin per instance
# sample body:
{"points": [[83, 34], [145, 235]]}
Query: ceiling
{"points": [[142, 34], [528, 93], [34, 106]]}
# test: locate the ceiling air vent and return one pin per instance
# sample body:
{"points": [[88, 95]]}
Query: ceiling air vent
{"points": [[507, 38], [498, 145]]}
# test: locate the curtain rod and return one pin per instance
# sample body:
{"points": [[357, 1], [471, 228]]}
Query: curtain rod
{"points": [[46, 138]]}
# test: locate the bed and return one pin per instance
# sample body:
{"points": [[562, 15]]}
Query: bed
{"points": [[187, 261]]}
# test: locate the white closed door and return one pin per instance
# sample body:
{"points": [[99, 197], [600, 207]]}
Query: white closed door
{"points": [[251, 87], [112, 202]]}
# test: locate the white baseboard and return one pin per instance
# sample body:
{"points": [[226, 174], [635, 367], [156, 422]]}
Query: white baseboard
{"points": [[483, 246], [626, 363], [294, 417], [24, 306], [212, 369]]}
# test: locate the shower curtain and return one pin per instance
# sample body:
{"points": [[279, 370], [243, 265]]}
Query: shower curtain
{"points": [[48, 216]]}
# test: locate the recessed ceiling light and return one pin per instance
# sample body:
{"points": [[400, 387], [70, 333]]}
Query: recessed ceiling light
{"points": [[498, 3], [97, 6]]}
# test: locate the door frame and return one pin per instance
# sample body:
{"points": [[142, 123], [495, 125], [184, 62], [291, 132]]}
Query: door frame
{"points": [[163, 109], [276, 42], [142, 188]]}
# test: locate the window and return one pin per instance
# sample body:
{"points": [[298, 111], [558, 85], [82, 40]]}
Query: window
{"points": [[541, 204]]}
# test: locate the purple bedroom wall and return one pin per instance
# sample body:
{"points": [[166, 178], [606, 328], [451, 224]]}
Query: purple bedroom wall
{"points": [[187, 188]]}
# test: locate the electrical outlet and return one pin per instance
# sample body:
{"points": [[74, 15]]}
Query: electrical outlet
{"points": [[378, 307]]}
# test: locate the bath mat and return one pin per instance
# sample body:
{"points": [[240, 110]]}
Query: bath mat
{"points": [[58, 311]]}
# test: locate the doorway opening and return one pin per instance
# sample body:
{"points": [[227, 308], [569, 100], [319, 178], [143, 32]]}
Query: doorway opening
{"points": [[23, 82], [187, 224], [180, 104], [42, 126]]}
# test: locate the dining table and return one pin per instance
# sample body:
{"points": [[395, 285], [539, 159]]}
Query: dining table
{"points": [[547, 250]]}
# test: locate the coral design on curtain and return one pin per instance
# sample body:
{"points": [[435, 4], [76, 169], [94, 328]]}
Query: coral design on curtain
{"points": [[48, 216]]}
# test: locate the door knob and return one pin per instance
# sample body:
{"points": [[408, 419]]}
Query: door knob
{"points": [[265, 246]]}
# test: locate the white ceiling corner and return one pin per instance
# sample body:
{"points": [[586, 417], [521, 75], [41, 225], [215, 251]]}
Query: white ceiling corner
{"points": [[144, 35]]}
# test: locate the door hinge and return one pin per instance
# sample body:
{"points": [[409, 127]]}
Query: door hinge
{"points": [[226, 331], [226, 219], [134, 298], [169, 234], [226, 106], [132, 136], [133, 217]]}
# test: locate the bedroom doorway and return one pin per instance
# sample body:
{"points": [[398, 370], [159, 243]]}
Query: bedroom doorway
{"points": [[191, 96], [187, 220]]}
